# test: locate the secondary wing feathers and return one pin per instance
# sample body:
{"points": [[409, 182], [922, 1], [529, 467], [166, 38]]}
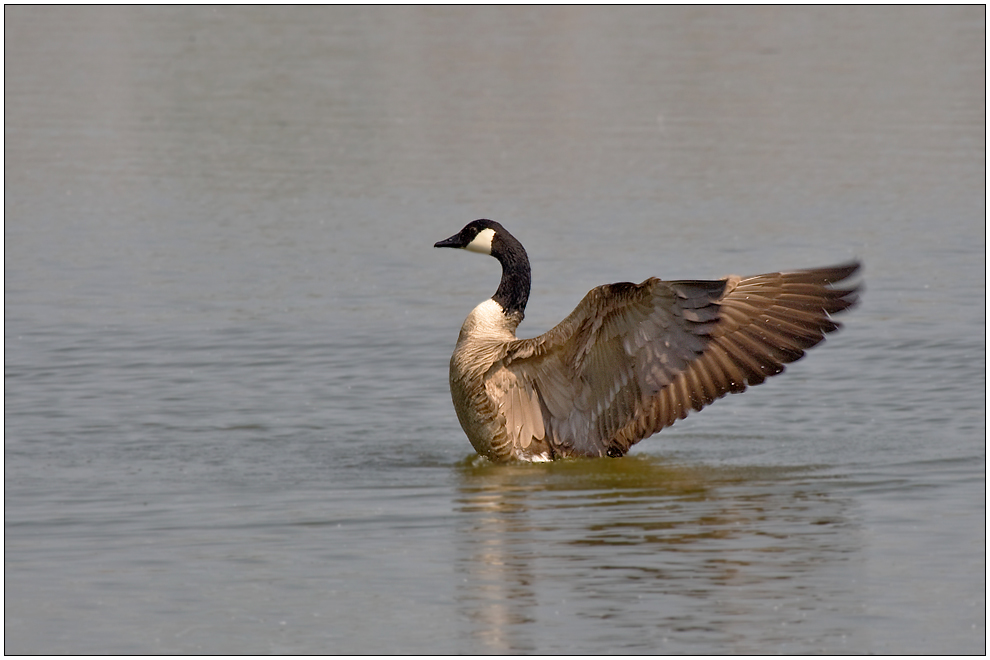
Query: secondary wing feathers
{"points": [[631, 359]]}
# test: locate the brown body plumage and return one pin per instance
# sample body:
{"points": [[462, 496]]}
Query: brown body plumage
{"points": [[630, 360]]}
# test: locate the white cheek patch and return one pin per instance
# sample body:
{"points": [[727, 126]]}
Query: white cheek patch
{"points": [[482, 242]]}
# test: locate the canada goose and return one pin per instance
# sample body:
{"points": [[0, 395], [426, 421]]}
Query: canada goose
{"points": [[630, 360]]}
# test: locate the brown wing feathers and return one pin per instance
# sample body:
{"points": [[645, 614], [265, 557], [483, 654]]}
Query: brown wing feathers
{"points": [[632, 359], [763, 323]]}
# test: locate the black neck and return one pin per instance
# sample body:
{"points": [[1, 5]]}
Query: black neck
{"points": [[513, 290]]}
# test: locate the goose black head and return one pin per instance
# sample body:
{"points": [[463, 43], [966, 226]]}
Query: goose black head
{"points": [[489, 237], [476, 236]]}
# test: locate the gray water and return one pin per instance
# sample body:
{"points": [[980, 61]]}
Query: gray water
{"points": [[226, 332]]}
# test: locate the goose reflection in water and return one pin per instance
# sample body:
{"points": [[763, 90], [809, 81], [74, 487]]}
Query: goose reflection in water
{"points": [[669, 553]]}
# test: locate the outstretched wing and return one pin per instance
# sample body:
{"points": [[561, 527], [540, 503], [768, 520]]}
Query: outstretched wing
{"points": [[632, 359]]}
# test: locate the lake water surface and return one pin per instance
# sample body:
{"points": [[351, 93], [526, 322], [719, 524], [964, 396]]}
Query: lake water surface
{"points": [[226, 332]]}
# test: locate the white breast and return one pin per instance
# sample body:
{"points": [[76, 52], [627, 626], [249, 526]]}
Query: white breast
{"points": [[488, 321]]}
